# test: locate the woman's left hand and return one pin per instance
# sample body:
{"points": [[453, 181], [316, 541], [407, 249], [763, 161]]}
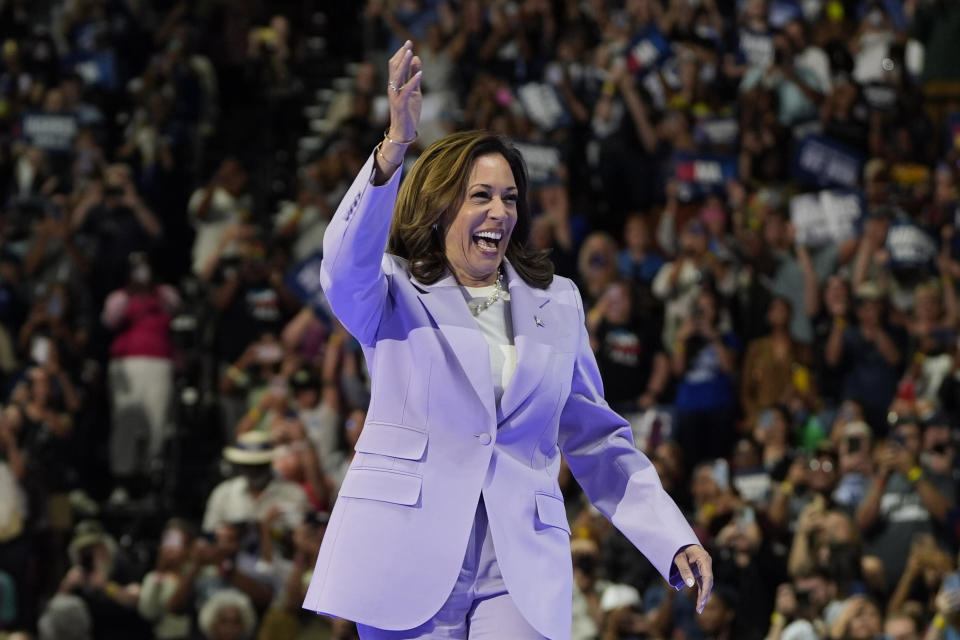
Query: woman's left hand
{"points": [[696, 567]]}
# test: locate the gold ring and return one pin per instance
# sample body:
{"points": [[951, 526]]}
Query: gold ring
{"points": [[393, 86]]}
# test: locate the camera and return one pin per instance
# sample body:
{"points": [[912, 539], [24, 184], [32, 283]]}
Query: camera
{"points": [[585, 562], [87, 560]]}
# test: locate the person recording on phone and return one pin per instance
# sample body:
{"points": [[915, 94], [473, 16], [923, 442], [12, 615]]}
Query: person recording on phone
{"points": [[703, 359], [141, 372], [256, 381], [104, 580], [907, 497], [856, 466], [679, 281], [159, 585]]}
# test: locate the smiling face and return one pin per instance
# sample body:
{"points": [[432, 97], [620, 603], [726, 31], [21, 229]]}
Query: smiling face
{"points": [[477, 234]]}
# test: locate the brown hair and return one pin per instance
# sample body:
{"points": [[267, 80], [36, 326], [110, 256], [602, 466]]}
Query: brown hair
{"points": [[437, 184]]}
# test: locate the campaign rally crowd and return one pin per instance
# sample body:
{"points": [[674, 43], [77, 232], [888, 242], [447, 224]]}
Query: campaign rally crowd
{"points": [[758, 199]]}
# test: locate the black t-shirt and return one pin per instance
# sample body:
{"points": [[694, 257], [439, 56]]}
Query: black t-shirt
{"points": [[116, 233], [253, 311], [625, 358], [830, 379]]}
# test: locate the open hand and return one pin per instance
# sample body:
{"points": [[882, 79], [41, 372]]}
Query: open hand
{"points": [[403, 91]]}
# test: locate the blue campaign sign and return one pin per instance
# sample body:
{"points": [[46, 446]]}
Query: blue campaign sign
{"points": [[702, 174], [543, 161], [543, 105], [98, 68], [755, 47], [721, 131], [910, 246], [822, 162], [52, 132], [826, 217], [304, 281], [783, 11], [647, 51]]}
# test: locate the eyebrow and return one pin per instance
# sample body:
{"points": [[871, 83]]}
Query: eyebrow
{"points": [[487, 186]]}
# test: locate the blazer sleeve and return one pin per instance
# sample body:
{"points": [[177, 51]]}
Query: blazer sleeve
{"points": [[619, 479], [352, 269]]}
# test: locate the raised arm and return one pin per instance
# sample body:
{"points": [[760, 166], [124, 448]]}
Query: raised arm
{"points": [[353, 246]]}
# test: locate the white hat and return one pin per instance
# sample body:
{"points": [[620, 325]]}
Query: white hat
{"points": [[857, 428], [619, 595], [800, 630], [252, 447]]}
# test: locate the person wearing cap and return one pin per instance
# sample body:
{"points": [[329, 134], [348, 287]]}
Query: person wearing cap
{"points": [[103, 581], [450, 515], [253, 491]]}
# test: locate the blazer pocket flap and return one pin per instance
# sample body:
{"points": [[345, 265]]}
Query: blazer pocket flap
{"points": [[381, 484], [389, 439], [550, 511]]}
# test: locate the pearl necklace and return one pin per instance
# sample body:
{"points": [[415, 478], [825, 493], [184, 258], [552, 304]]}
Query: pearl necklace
{"points": [[493, 297]]}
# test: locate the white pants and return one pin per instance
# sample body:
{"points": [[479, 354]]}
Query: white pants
{"points": [[141, 390], [478, 608]]}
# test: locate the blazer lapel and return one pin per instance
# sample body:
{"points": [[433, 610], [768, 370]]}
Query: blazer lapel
{"points": [[444, 301], [535, 329]]}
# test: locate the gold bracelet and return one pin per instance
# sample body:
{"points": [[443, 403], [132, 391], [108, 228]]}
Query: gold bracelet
{"points": [[386, 135], [390, 162]]}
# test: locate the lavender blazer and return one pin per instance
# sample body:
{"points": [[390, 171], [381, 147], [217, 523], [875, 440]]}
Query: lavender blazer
{"points": [[434, 440]]}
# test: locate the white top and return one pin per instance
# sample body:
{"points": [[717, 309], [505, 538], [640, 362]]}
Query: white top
{"points": [[231, 502], [497, 327]]}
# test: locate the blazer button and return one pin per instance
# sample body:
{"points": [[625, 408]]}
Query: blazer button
{"points": [[484, 438]]}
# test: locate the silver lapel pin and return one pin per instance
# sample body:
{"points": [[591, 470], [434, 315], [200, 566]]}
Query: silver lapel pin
{"points": [[538, 321]]}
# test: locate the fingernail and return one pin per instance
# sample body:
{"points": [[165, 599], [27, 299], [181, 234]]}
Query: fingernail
{"points": [[700, 610], [407, 44], [689, 582]]}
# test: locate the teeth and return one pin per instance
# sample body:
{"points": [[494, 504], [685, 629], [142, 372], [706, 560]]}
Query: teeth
{"points": [[493, 235]]}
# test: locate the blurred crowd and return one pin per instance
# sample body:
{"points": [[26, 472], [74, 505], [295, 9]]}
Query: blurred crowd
{"points": [[757, 198]]}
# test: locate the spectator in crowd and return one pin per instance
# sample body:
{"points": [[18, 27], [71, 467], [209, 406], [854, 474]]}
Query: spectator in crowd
{"points": [[141, 370], [214, 208], [869, 355], [703, 360], [228, 615], [253, 491], [628, 349], [774, 367], [903, 500], [159, 586], [638, 261]]}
